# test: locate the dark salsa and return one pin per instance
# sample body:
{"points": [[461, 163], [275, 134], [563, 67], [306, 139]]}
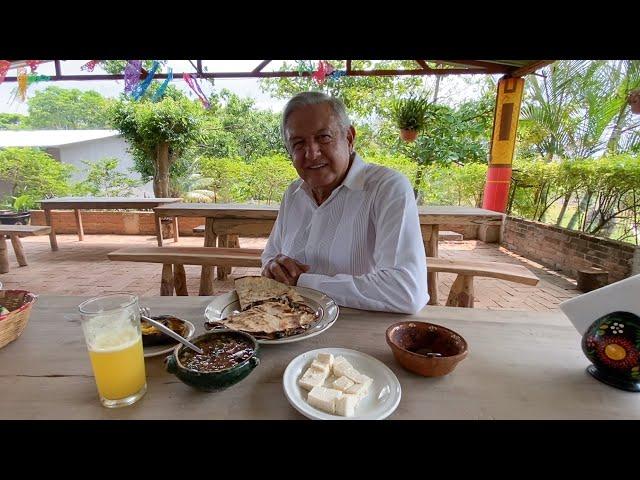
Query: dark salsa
{"points": [[219, 352]]}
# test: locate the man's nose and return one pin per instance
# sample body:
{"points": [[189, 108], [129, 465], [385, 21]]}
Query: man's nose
{"points": [[312, 150]]}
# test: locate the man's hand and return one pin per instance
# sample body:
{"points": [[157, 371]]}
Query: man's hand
{"points": [[285, 269]]}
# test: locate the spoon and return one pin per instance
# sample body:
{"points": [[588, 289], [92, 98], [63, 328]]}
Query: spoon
{"points": [[172, 334]]}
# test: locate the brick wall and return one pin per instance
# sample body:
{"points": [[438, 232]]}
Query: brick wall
{"points": [[568, 250], [111, 222]]}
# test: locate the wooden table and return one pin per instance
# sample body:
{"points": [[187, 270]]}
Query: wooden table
{"points": [[101, 203], [432, 217], [225, 222], [521, 365]]}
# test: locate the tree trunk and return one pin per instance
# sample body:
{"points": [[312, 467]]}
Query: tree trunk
{"points": [[563, 210], [576, 215], [161, 174]]}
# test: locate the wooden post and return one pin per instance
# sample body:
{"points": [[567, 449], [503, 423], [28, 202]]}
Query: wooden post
{"points": [[52, 235], [592, 278], [180, 280], [4, 256], [17, 247], [166, 284], [461, 293], [79, 224], [206, 277], [503, 142]]}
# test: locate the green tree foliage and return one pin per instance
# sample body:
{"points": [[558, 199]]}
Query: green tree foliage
{"points": [[12, 121], [104, 179], [233, 127], [158, 134], [67, 109], [116, 67], [33, 172]]}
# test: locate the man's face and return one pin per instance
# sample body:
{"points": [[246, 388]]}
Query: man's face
{"points": [[320, 148]]}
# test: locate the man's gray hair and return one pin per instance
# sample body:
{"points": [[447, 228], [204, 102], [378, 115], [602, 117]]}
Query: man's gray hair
{"points": [[314, 98]]}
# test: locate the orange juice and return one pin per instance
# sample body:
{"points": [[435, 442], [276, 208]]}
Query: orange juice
{"points": [[118, 366]]}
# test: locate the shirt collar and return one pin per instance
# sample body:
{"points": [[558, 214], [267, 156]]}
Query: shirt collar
{"points": [[354, 179]]}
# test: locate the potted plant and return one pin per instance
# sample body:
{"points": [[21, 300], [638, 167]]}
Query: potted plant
{"points": [[18, 210], [410, 114]]}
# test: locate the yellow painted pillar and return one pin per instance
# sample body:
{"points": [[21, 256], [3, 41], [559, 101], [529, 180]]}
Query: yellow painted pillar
{"points": [[503, 143]]}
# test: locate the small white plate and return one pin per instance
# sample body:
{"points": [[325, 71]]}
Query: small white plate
{"points": [[381, 401], [155, 350]]}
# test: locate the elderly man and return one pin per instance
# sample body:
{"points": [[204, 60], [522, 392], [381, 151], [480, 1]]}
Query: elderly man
{"points": [[347, 228]]}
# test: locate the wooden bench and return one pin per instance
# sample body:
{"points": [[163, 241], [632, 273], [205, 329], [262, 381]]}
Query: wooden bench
{"points": [[199, 230], [460, 295], [14, 232], [174, 259], [449, 235]]}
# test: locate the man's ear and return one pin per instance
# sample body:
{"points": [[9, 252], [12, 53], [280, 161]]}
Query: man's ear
{"points": [[351, 137]]}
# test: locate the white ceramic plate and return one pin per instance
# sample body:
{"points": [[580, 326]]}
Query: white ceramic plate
{"points": [[381, 401], [155, 350], [325, 307]]}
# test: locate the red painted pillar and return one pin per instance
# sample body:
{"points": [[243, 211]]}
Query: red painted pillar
{"points": [[503, 142]]}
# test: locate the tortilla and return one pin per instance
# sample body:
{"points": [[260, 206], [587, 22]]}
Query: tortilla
{"points": [[252, 290]]}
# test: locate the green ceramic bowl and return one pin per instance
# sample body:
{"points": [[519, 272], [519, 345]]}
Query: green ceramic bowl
{"points": [[219, 379]]}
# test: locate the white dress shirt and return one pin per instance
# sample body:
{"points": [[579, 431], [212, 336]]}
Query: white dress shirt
{"points": [[363, 243]]}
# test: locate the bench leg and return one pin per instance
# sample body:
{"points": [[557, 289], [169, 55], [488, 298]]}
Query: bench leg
{"points": [[227, 241], [461, 293], [4, 256], [430, 235], [176, 233], [17, 247], [206, 277], [166, 284], [52, 235], [180, 280]]}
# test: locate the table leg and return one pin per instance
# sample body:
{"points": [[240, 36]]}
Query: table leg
{"points": [[79, 224], [206, 277], [52, 235], [4, 256], [158, 223], [432, 251], [176, 233], [17, 247]]}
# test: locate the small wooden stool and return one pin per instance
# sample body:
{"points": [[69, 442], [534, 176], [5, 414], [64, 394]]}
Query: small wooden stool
{"points": [[592, 278]]}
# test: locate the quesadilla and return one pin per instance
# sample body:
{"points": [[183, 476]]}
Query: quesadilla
{"points": [[269, 309], [254, 290]]}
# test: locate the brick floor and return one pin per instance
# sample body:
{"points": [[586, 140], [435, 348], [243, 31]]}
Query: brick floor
{"points": [[82, 268]]}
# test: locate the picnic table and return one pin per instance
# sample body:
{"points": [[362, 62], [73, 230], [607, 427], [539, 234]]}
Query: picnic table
{"points": [[100, 203], [225, 222], [521, 365]]}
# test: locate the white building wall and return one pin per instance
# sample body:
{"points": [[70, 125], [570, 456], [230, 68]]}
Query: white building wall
{"points": [[98, 149]]}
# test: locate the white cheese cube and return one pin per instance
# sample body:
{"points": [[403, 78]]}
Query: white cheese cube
{"points": [[319, 366], [342, 383], [324, 399], [342, 368], [362, 378], [358, 389], [312, 378], [346, 405], [326, 358]]}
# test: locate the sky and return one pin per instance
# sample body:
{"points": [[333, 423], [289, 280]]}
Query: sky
{"points": [[452, 89]]}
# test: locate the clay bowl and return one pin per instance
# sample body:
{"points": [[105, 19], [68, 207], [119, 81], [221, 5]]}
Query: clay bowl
{"points": [[413, 342]]}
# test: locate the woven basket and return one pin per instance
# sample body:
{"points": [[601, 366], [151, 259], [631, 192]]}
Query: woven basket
{"points": [[19, 302]]}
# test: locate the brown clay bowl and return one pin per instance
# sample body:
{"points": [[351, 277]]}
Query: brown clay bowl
{"points": [[412, 342]]}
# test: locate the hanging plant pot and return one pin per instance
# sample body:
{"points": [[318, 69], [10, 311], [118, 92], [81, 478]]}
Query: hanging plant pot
{"points": [[634, 101], [408, 135]]}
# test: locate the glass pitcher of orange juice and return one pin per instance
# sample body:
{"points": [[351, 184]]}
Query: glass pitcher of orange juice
{"points": [[111, 326]]}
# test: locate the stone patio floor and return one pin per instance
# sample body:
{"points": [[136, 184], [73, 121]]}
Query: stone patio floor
{"points": [[82, 268]]}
